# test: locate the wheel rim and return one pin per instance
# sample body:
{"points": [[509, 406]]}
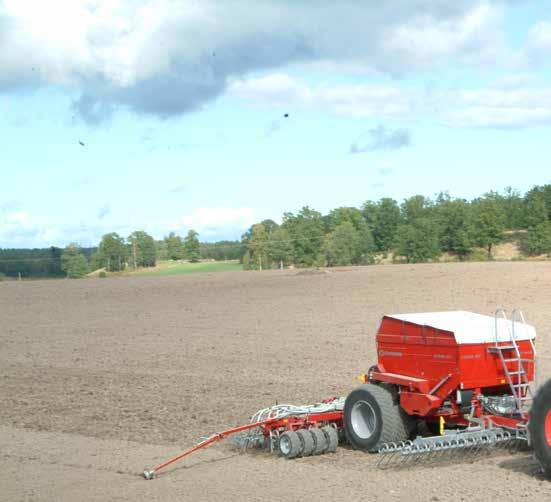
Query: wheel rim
{"points": [[547, 428], [285, 444], [364, 419]]}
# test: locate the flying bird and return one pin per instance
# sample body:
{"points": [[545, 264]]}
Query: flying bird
{"points": [[286, 115], [81, 143]]}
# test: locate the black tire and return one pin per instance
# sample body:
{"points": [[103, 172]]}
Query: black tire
{"points": [[289, 445], [307, 441], [540, 427], [373, 416], [320, 443], [332, 437]]}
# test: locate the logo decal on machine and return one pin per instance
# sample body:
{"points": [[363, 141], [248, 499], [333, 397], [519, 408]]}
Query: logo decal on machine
{"points": [[390, 353]]}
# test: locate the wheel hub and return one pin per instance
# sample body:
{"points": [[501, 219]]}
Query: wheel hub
{"points": [[285, 445], [363, 419]]}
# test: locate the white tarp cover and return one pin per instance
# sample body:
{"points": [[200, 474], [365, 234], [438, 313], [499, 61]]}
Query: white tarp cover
{"points": [[469, 327]]}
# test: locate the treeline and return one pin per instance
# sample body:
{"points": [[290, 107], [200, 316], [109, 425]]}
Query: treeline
{"points": [[138, 250], [114, 253], [38, 263], [417, 230]]}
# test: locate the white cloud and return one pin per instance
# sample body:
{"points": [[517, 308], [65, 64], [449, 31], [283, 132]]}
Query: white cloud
{"points": [[508, 103], [475, 36], [24, 229], [501, 108], [166, 58], [218, 218], [284, 91]]}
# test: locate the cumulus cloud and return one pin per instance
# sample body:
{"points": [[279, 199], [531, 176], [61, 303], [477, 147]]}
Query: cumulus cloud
{"points": [[499, 108], [30, 230], [166, 58], [381, 138], [514, 101], [283, 91], [212, 217], [20, 228], [537, 49]]}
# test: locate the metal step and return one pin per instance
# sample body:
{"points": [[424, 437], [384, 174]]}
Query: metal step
{"points": [[501, 347]]}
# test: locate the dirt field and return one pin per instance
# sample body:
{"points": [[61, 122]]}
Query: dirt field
{"points": [[100, 378]]}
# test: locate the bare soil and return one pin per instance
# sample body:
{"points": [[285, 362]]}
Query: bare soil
{"points": [[102, 377]]}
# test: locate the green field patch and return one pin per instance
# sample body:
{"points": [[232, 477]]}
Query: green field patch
{"points": [[178, 268]]}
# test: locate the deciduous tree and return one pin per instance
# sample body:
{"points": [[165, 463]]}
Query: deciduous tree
{"points": [[192, 246], [143, 251], [73, 262], [112, 252], [174, 246]]}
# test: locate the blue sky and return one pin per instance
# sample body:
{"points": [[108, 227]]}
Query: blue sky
{"points": [[181, 110]]}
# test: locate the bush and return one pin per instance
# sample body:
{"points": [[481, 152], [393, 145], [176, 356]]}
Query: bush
{"points": [[538, 240], [102, 274]]}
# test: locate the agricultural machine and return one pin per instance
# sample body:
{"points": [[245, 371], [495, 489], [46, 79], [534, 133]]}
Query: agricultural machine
{"points": [[444, 382]]}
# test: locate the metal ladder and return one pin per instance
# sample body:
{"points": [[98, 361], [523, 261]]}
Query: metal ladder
{"points": [[517, 377]]}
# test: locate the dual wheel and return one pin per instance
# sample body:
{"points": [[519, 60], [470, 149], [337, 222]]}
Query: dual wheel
{"points": [[306, 442]]}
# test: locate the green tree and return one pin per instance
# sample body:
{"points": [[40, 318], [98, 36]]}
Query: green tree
{"points": [[112, 252], [342, 246], [538, 239], [143, 250], [192, 246], [73, 262], [341, 214], [307, 230], [367, 243], [414, 208], [258, 247], [385, 224], [174, 246], [418, 241], [270, 226], [513, 207], [369, 213], [535, 211], [357, 219], [488, 223], [280, 247], [543, 191], [453, 217]]}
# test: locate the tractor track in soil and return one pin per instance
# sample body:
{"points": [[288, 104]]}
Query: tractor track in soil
{"points": [[102, 377]]}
